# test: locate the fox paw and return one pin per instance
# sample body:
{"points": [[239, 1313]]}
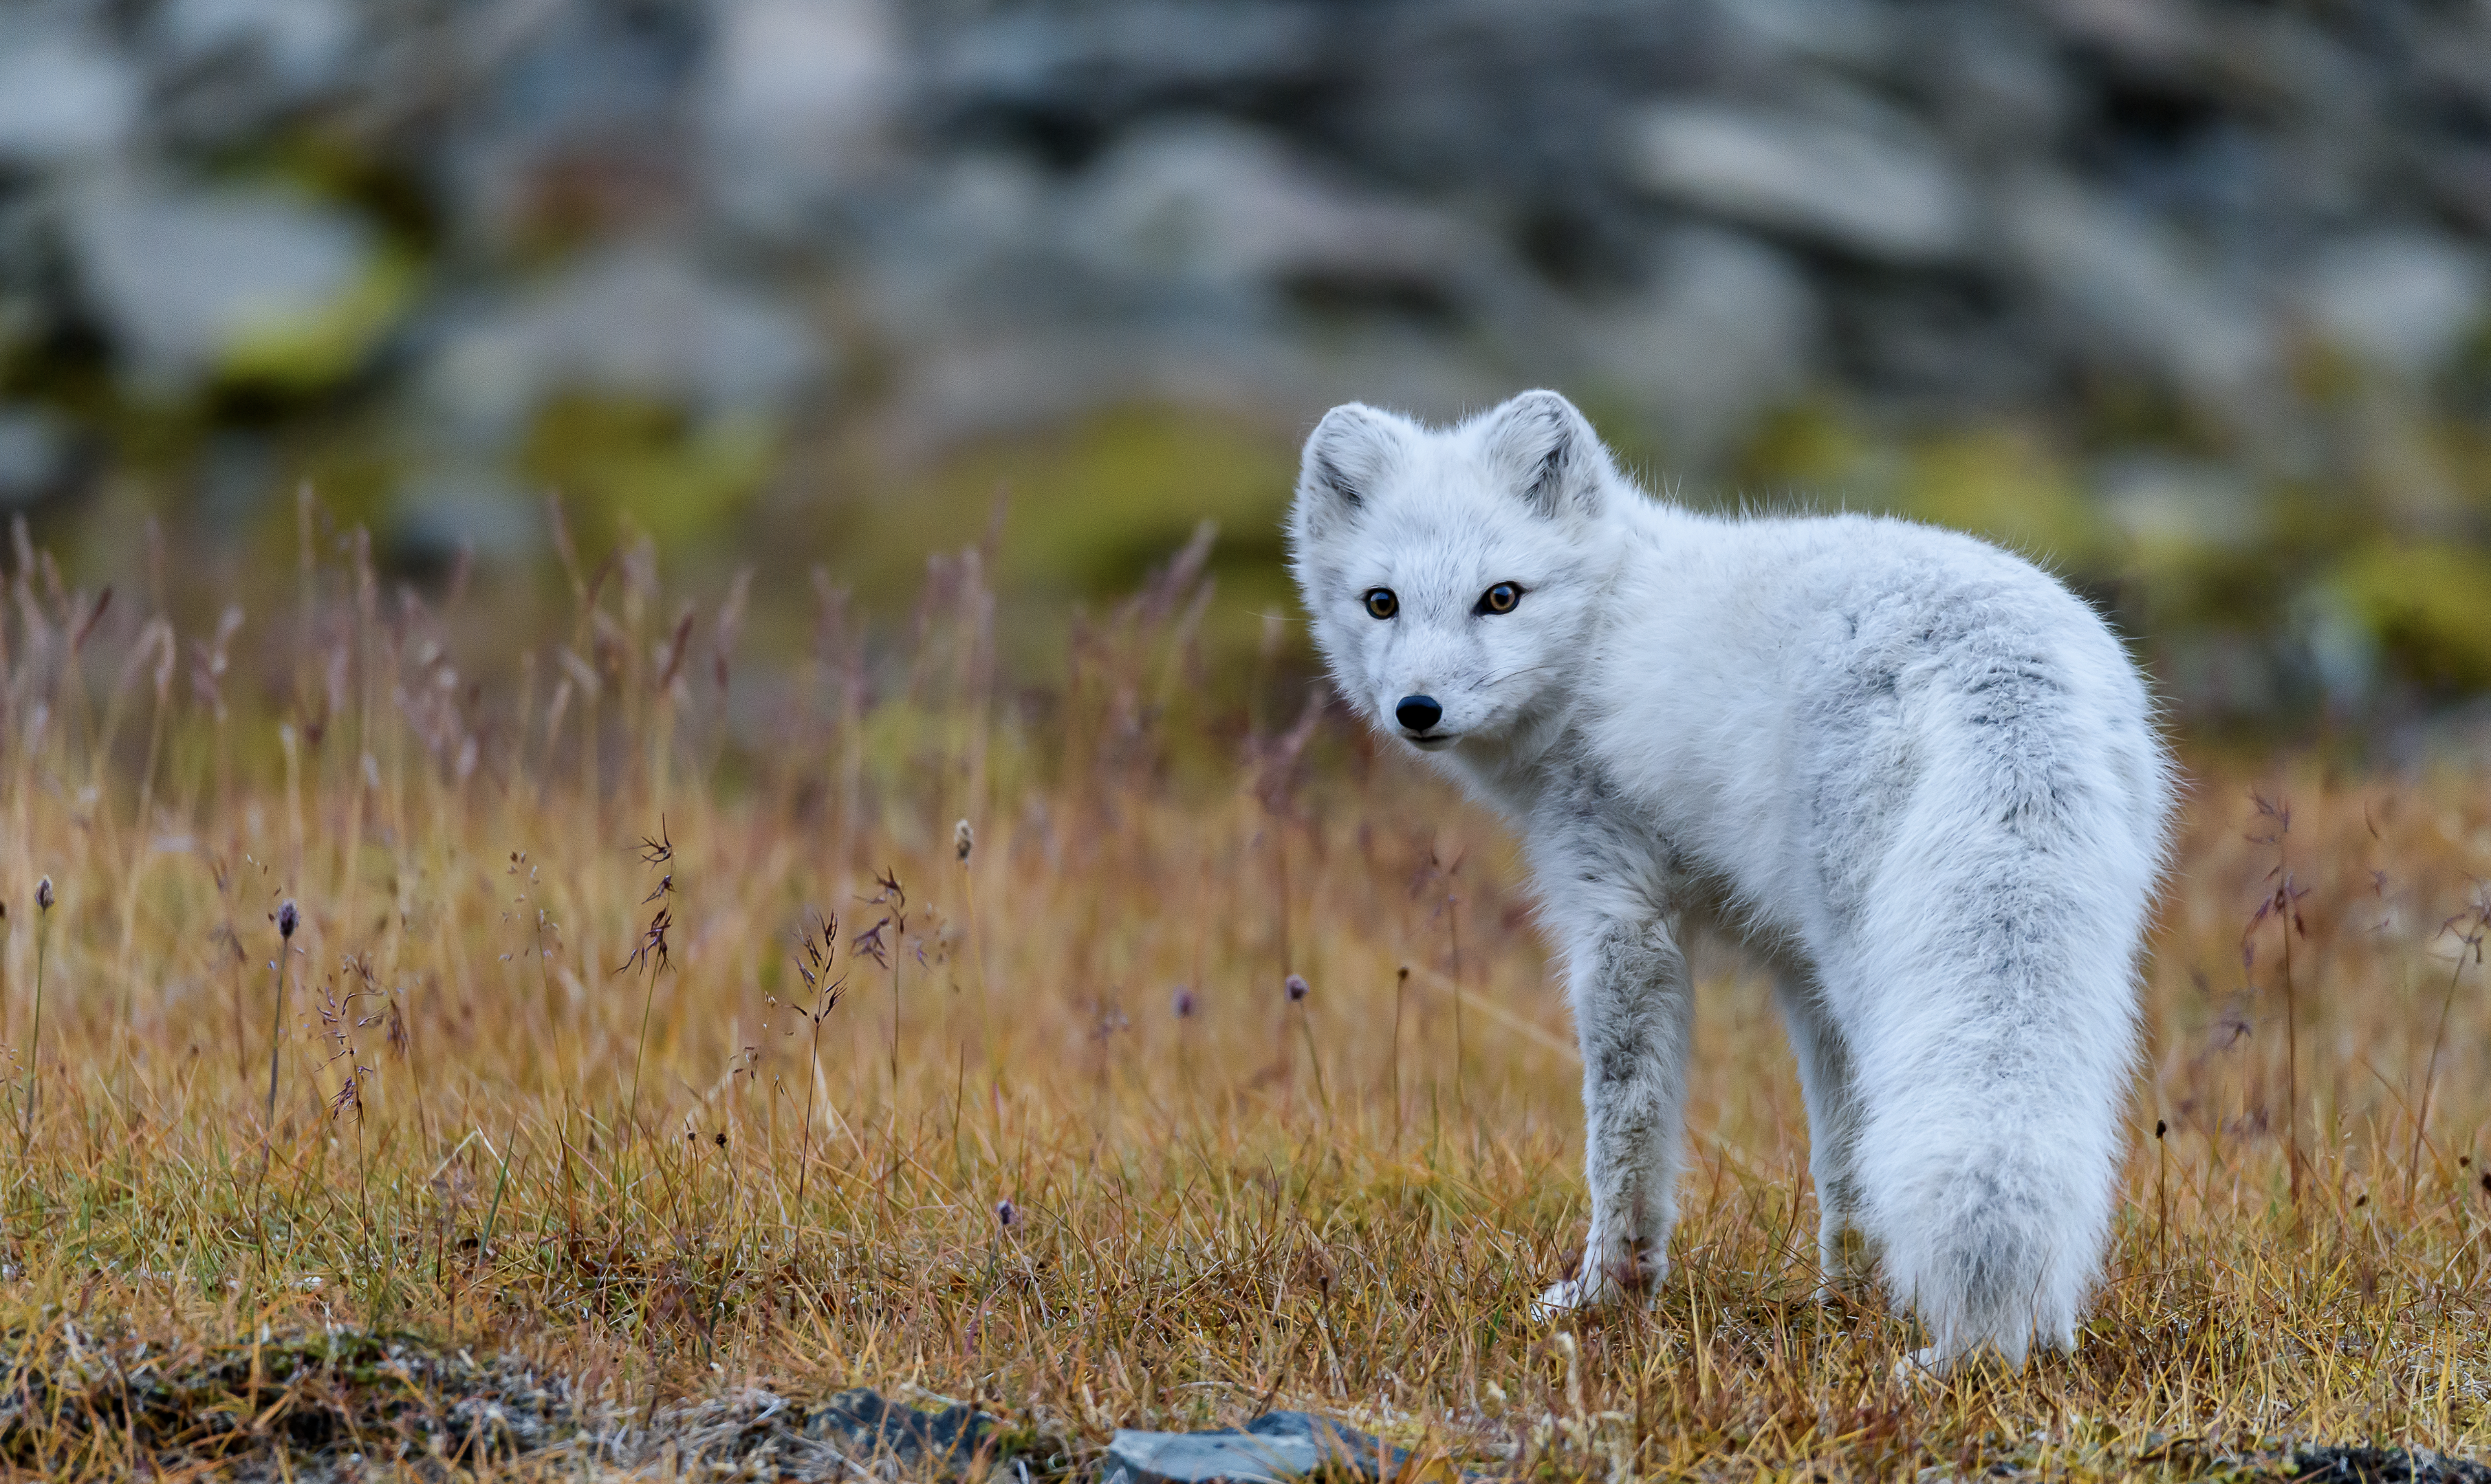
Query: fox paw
{"points": [[1592, 1290], [1569, 1294], [1926, 1366]]}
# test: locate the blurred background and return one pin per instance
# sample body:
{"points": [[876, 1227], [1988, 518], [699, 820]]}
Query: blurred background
{"points": [[2185, 298]]}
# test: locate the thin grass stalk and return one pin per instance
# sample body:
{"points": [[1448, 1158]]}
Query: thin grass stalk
{"points": [[287, 920], [34, 1049], [2468, 943]]}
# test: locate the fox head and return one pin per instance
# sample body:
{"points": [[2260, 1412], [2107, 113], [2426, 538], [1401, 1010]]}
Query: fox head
{"points": [[1454, 574]]}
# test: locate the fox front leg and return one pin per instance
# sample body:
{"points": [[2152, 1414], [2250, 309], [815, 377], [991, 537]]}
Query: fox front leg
{"points": [[1632, 1012]]}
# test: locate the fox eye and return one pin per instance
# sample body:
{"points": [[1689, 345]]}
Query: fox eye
{"points": [[1500, 598], [1381, 603]]}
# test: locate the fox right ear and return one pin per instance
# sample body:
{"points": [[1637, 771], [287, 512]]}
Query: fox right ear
{"points": [[1350, 451]]}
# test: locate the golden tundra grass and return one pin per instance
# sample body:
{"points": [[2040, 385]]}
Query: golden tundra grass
{"points": [[649, 1019]]}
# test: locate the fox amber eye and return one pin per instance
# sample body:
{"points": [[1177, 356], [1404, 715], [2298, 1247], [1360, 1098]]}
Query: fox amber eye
{"points": [[1381, 603], [1500, 598]]}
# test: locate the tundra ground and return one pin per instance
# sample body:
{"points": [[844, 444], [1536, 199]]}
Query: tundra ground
{"points": [[649, 1033]]}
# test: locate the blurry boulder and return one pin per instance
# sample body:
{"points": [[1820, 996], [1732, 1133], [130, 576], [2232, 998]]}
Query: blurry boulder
{"points": [[230, 67], [34, 454], [1220, 206], [639, 320], [300, 46], [1726, 328], [2401, 301], [195, 284], [461, 507], [1855, 33], [2173, 508], [2127, 289], [1063, 78], [1881, 195], [796, 99], [65, 92]]}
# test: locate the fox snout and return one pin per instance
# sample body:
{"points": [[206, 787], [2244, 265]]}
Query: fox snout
{"points": [[1417, 713]]}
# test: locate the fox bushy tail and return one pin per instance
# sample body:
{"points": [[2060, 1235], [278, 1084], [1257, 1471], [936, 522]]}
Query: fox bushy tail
{"points": [[1995, 1073]]}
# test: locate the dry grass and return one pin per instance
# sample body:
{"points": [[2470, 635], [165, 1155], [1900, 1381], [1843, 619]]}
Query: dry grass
{"points": [[1005, 1162]]}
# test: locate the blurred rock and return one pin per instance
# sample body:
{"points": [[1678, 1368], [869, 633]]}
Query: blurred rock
{"points": [[64, 93], [1216, 205], [2171, 507], [1726, 328], [35, 448], [230, 64], [1857, 34], [2402, 301], [2127, 290], [1890, 199], [797, 97], [478, 509], [1062, 77], [193, 285], [637, 319]]}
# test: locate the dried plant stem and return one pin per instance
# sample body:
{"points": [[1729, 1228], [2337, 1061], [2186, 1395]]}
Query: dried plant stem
{"points": [[2469, 944], [276, 1030], [1306, 1030], [2291, 1057], [805, 1146], [35, 1042], [641, 1053]]}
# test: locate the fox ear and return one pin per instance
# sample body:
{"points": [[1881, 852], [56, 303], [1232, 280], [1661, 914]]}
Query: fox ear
{"points": [[1546, 448], [1350, 451]]}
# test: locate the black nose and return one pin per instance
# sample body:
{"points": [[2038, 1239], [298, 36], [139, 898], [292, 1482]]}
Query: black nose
{"points": [[1417, 713]]}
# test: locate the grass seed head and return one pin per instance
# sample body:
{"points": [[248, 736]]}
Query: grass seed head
{"points": [[43, 893], [1296, 985]]}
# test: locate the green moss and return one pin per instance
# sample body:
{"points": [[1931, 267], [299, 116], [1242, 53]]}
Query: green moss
{"points": [[298, 353], [2427, 606], [1806, 447], [1089, 510], [622, 460], [2005, 486]]}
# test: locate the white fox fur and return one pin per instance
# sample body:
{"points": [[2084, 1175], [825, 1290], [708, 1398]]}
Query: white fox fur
{"points": [[1914, 773]]}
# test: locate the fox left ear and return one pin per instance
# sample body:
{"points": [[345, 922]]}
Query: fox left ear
{"points": [[1548, 451], [1352, 450]]}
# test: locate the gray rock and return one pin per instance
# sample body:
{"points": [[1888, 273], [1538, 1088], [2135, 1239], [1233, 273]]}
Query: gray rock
{"points": [[34, 454], [1103, 64], [2167, 504], [478, 509], [866, 1430], [2129, 289], [2402, 301], [64, 92], [186, 278], [796, 99], [292, 47], [1277, 1446], [1858, 34], [1726, 328], [1882, 197], [639, 320], [1222, 206], [2385, 1466]]}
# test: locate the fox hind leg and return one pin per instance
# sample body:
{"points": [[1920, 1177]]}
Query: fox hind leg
{"points": [[1846, 1255]]}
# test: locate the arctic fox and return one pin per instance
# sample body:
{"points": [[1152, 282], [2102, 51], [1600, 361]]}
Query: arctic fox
{"points": [[1919, 776]]}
